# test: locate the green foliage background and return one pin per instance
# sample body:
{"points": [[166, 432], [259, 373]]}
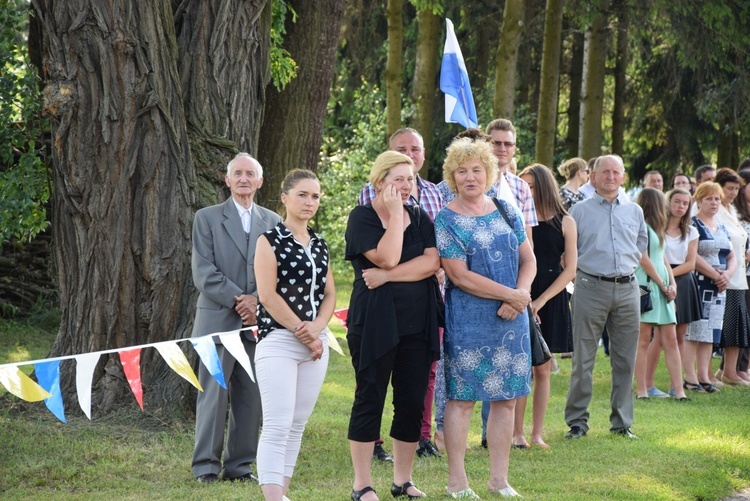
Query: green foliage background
{"points": [[24, 180]]}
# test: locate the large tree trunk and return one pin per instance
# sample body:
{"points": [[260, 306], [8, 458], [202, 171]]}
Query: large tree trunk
{"points": [[292, 129], [547, 117], [574, 99], [224, 69], [425, 72], [727, 146], [394, 66], [621, 67], [122, 192], [123, 198], [506, 59], [592, 91]]}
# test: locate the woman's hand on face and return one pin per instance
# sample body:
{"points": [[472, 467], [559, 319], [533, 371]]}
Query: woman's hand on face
{"points": [[507, 312], [317, 349], [392, 200], [518, 299], [374, 277]]}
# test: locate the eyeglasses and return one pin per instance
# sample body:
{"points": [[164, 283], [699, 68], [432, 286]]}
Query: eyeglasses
{"points": [[507, 144]]}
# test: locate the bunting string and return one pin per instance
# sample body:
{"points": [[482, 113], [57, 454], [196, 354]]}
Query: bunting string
{"points": [[48, 369]]}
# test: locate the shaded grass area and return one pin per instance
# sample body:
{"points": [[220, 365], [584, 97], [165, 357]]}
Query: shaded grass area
{"points": [[698, 450]]}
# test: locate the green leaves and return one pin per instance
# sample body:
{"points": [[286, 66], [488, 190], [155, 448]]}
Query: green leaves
{"points": [[24, 180], [283, 67]]}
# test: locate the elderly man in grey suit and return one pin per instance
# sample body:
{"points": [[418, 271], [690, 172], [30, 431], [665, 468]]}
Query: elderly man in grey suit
{"points": [[224, 238], [611, 238]]}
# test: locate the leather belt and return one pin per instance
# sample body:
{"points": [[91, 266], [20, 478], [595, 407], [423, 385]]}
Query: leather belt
{"points": [[622, 279]]}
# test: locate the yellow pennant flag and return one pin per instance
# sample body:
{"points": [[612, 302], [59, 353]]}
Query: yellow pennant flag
{"points": [[21, 385], [333, 343], [176, 359]]}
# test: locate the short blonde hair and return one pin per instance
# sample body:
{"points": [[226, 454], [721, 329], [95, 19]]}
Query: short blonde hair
{"points": [[385, 162], [461, 151], [705, 189]]}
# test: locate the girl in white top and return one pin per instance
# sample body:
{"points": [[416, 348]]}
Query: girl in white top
{"points": [[681, 250], [742, 206], [735, 332]]}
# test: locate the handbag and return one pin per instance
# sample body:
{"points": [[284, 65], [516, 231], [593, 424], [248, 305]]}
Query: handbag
{"points": [[646, 302], [540, 353]]}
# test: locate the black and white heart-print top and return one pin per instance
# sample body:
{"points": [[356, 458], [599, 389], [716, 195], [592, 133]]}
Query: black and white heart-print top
{"points": [[300, 277]]}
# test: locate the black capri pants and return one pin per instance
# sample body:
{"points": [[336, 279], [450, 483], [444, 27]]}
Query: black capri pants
{"points": [[410, 364]]}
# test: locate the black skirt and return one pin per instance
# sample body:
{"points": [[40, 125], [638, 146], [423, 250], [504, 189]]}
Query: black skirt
{"points": [[688, 303]]}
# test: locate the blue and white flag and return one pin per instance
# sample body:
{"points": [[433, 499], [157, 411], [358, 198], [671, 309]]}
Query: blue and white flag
{"points": [[454, 82]]}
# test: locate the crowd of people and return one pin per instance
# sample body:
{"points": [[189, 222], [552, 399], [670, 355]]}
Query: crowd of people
{"points": [[449, 280]]}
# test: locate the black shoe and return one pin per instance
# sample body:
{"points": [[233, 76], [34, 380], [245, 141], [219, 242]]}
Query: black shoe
{"points": [[357, 495], [427, 449], [208, 478], [484, 443], [379, 453], [575, 432], [247, 477], [400, 490], [625, 432]]}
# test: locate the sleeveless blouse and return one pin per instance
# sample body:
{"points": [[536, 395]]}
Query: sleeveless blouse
{"points": [[301, 276]]}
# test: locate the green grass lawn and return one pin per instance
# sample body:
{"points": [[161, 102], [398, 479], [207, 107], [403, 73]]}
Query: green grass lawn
{"points": [[698, 450]]}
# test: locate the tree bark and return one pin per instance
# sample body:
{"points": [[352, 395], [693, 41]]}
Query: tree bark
{"points": [[621, 66], [592, 90], [547, 116], [224, 69], [574, 99], [506, 59], [425, 72], [292, 129], [123, 194], [394, 65], [727, 146]]}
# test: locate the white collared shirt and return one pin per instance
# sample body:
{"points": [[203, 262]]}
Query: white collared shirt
{"points": [[246, 215]]}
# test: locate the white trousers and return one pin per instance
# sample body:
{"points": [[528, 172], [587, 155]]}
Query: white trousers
{"points": [[289, 382]]}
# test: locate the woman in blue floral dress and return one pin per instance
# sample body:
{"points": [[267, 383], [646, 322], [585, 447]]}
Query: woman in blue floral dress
{"points": [[489, 268]]}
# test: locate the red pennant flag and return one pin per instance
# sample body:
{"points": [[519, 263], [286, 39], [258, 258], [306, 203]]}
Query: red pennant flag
{"points": [[342, 314], [131, 364]]}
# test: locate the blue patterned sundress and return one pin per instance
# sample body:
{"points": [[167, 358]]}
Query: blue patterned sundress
{"points": [[486, 358]]}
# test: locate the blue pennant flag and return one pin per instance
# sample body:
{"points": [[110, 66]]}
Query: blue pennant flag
{"points": [[210, 357], [454, 82], [48, 376]]}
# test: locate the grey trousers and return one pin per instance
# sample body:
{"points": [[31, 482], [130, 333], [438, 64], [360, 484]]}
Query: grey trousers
{"points": [[245, 414], [596, 303]]}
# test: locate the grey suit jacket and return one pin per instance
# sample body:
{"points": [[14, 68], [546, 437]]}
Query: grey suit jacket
{"points": [[223, 263]]}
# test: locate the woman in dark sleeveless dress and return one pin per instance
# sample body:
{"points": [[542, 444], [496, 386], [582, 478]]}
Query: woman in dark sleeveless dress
{"points": [[555, 249]]}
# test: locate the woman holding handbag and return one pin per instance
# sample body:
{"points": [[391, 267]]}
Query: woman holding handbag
{"points": [[655, 273], [555, 242]]}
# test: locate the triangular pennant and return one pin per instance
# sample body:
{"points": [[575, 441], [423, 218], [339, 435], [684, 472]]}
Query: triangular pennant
{"points": [[48, 375], [206, 349], [21, 385], [176, 359], [85, 365], [233, 343], [333, 343], [342, 315], [131, 365]]}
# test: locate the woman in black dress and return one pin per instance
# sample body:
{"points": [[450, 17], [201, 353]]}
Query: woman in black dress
{"points": [[555, 242], [393, 321]]}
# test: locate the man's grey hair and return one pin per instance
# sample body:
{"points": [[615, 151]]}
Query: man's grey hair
{"points": [[248, 155], [600, 160]]}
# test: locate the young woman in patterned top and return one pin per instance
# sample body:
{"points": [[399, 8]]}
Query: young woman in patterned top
{"points": [[296, 298]]}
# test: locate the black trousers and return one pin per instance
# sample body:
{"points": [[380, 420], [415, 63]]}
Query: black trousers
{"points": [[409, 365]]}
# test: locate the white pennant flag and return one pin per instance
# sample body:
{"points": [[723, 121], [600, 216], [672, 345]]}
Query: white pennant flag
{"points": [[85, 365], [233, 343]]}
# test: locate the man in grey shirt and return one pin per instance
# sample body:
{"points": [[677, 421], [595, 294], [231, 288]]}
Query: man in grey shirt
{"points": [[611, 237]]}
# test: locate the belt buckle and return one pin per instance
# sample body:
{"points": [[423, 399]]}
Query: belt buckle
{"points": [[622, 280]]}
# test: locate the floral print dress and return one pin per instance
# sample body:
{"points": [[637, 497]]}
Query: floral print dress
{"points": [[486, 358]]}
